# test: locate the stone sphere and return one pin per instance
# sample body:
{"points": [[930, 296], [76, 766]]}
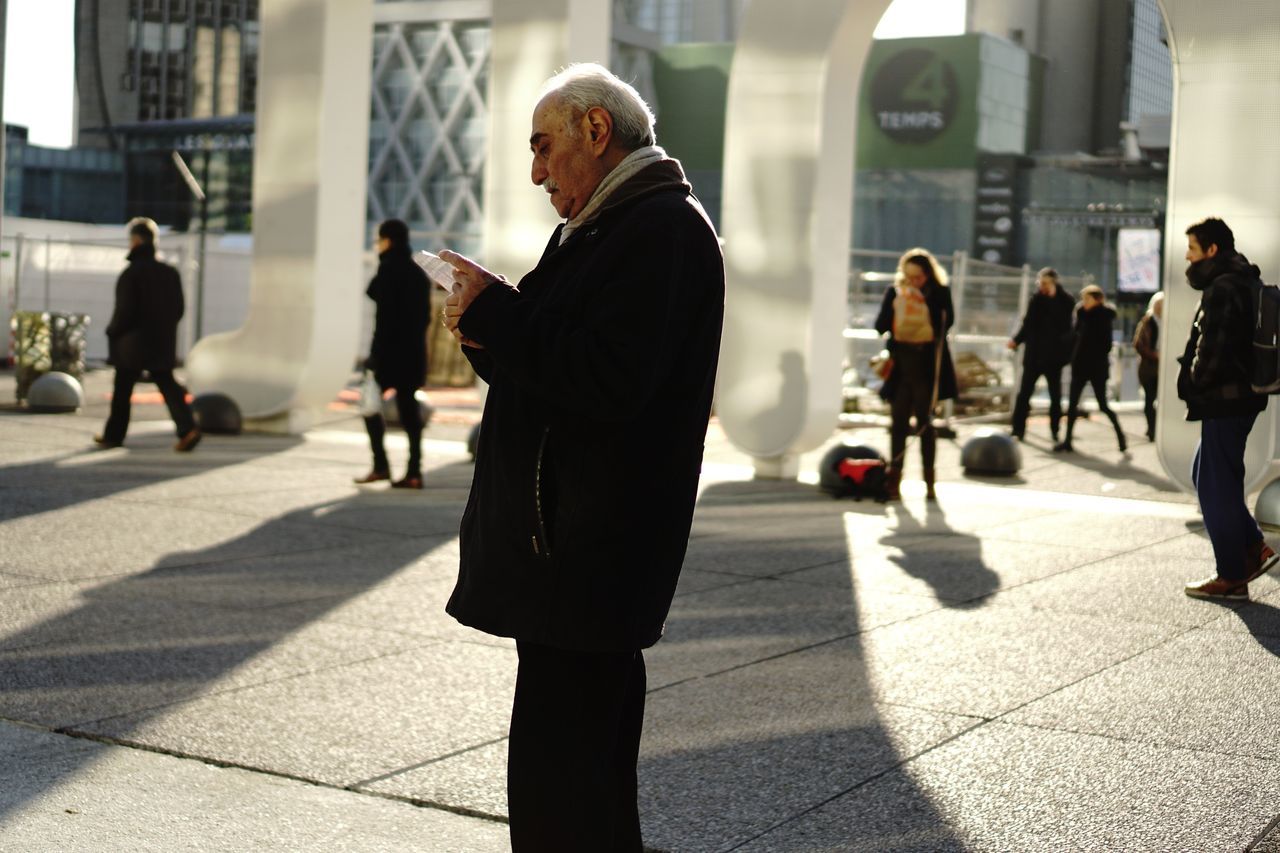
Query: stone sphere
{"points": [[991, 452], [829, 479], [1267, 509], [217, 413], [55, 393], [391, 413]]}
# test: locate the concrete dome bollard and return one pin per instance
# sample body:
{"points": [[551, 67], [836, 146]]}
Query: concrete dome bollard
{"points": [[829, 479], [217, 413], [391, 413], [55, 393], [991, 452], [1267, 507]]}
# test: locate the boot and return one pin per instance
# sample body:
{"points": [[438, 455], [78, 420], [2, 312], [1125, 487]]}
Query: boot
{"points": [[892, 479], [929, 480]]}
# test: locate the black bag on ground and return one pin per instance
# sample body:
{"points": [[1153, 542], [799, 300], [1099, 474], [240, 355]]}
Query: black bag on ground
{"points": [[853, 471]]}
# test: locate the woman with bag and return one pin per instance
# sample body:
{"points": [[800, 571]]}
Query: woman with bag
{"points": [[1146, 342], [398, 355], [916, 314]]}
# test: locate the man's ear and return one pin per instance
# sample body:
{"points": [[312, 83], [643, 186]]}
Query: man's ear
{"points": [[599, 129], [1212, 251]]}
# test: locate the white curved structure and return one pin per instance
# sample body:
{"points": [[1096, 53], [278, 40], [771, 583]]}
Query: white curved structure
{"points": [[1225, 161], [786, 222], [296, 349]]}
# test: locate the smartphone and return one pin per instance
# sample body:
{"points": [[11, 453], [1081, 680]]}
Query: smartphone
{"points": [[436, 268]]}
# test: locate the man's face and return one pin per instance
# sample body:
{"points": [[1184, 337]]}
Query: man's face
{"points": [[564, 163], [382, 244], [1047, 285], [1196, 253]]}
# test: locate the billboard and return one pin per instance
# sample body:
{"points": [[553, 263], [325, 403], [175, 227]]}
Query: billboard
{"points": [[1138, 260]]}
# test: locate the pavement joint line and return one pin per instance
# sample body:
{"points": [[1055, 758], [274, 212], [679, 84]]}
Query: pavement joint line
{"points": [[125, 743], [428, 762], [1135, 740], [1254, 844]]}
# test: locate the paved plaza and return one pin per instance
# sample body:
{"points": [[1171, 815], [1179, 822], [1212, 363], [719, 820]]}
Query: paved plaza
{"points": [[238, 649]]}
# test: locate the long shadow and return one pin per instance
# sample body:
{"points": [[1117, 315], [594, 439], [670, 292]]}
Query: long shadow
{"points": [[1263, 621], [199, 622], [953, 567], [773, 722]]}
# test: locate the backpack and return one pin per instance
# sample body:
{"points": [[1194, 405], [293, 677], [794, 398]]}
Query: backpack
{"points": [[1265, 374]]}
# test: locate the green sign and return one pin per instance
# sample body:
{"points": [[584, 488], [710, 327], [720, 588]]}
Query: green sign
{"points": [[918, 106]]}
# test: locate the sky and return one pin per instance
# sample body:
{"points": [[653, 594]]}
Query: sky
{"points": [[39, 86]]}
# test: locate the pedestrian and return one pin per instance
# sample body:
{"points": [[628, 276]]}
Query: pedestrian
{"points": [[916, 313], [1146, 343], [398, 354], [600, 365], [1213, 380], [1091, 361], [1045, 334], [143, 336]]}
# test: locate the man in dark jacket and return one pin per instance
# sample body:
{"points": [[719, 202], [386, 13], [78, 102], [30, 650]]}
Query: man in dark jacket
{"points": [[601, 366], [143, 335], [398, 354], [1213, 379], [1045, 334]]}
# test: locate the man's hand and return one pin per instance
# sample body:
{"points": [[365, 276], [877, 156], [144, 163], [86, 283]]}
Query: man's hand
{"points": [[1011, 344], [469, 281]]}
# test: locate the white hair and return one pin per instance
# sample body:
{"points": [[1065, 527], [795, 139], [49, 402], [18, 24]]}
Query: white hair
{"points": [[585, 85]]}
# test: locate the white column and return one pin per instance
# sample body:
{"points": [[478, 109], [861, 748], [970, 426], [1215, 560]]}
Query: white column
{"points": [[1225, 161], [532, 39], [299, 343], [787, 222]]}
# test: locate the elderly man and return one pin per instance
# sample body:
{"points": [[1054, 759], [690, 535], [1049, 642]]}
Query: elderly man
{"points": [[601, 365]]}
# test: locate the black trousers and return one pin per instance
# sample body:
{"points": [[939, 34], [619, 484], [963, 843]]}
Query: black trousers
{"points": [[175, 397], [1150, 385], [1096, 378], [410, 419], [575, 741], [1022, 403], [913, 397]]}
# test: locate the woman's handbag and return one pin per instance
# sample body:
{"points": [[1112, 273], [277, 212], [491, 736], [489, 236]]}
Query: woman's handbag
{"points": [[370, 395], [882, 365]]}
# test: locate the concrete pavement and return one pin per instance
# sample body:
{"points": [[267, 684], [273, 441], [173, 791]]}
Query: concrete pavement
{"points": [[238, 649]]}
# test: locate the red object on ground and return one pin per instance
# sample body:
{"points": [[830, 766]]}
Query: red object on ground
{"points": [[855, 470]]}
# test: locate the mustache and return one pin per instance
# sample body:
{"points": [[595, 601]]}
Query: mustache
{"points": [[550, 186]]}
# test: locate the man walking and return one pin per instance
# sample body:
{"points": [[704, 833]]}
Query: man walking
{"points": [[143, 335], [1214, 381], [398, 354], [1045, 334], [601, 365]]}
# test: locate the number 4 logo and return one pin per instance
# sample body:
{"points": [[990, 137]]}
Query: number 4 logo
{"points": [[929, 86]]}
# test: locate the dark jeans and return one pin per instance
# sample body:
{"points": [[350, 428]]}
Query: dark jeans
{"points": [[1149, 387], [175, 397], [1218, 472], [571, 761], [411, 420], [913, 397], [1097, 379], [1022, 404]]}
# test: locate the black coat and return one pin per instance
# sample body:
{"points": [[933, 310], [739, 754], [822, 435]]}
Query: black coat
{"points": [[1045, 333], [1091, 339], [601, 368], [143, 332], [402, 293], [938, 299], [1215, 367]]}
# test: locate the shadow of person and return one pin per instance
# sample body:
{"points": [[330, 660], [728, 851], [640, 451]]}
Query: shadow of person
{"points": [[762, 723], [209, 621], [949, 561], [1263, 621], [1123, 469]]}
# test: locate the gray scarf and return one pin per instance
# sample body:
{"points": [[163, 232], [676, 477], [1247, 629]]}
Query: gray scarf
{"points": [[623, 172]]}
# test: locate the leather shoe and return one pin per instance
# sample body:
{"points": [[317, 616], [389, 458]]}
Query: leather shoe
{"points": [[1259, 558], [372, 477], [411, 481], [103, 444], [189, 441], [1216, 587]]}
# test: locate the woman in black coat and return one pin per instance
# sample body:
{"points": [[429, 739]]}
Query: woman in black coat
{"points": [[1091, 360], [916, 314], [398, 354]]}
